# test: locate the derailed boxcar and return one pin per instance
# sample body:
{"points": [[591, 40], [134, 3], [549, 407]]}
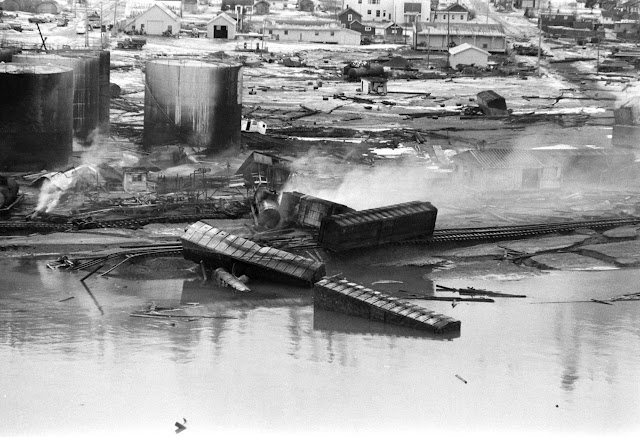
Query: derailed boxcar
{"points": [[202, 243], [377, 226], [308, 210]]}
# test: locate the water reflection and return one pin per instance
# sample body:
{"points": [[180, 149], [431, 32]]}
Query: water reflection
{"points": [[274, 362]]}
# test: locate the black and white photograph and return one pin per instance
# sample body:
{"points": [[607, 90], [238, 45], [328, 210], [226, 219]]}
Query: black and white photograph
{"points": [[319, 217]]}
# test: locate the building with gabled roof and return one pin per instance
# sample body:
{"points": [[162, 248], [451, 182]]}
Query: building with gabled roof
{"points": [[349, 15], [399, 11], [455, 13], [328, 33], [467, 54], [155, 21], [222, 26]]}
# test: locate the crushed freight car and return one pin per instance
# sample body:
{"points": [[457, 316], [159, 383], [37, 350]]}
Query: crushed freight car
{"points": [[265, 169], [492, 103], [309, 210], [373, 227], [202, 243], [350, 298]]}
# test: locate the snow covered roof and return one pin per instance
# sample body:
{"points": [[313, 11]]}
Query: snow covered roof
{"points": [[460, 29], [224, 17], [466, 46]]}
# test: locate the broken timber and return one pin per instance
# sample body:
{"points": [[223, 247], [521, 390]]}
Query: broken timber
{"points": [[216, 248], [353, 299]]}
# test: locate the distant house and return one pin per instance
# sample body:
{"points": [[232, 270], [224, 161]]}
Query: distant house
{"points": [[306, 5], [557, 19], [349, 15], [455, 13], [399, 11], [329, 33], [626, 28], [631, 7], [467, 54], [506, 170], [190, 6], [393, 32], [608, 18], [442, 36], [245, 6], [364, 29], [261, 7], [154, 21], [222, 26]]}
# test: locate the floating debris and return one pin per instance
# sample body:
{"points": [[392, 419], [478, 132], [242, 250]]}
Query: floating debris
{"points": [[226, 279], [461, 379]]}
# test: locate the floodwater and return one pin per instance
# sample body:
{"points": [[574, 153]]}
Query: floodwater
{"points": [[84, 366]]}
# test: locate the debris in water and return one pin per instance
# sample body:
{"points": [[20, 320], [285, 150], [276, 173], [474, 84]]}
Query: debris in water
{"points": [[387, 281], [461, 379], [66, 299], [226, 279]]}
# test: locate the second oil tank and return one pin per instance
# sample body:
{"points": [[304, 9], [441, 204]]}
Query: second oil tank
{"points": [[193, 102]]}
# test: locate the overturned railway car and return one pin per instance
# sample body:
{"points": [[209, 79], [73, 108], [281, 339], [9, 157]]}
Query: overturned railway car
{"points": [[373, 227], [214, 248]]}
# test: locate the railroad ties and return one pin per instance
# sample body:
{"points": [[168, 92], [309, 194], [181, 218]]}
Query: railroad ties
{"points": [[216, 248], [347, 297]]}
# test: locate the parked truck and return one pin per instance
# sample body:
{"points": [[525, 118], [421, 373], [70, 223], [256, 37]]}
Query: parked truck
{"points": [[129, 42]]}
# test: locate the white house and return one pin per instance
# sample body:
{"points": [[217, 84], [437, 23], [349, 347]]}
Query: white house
{"points": [[329, 34], [453, 14], [221, 26], [467, 54], [400, 11], [154, 21]]}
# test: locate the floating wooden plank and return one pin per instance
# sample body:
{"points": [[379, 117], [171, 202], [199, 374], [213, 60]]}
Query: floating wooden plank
{"points": [[347, 297], [470, 291], [217, 248], [377, 226]]}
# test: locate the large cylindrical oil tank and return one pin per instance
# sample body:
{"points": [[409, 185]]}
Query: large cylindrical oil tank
{"points": [[193, 102], [104, 79], [86, 89], [36, 116]]}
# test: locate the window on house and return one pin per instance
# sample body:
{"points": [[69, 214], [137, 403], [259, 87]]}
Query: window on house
{"points": [[393, 31], [462, 17], [270, 32], [359, 2], [136, 178], [369, 12], [435, 17], [317, 32], [286, 32], [333, 33], [377, 13], [367, 29], [350, 17], [484, 46]]}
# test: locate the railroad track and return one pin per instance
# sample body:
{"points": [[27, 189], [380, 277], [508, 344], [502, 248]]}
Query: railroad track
{"points": [[505, 232]]}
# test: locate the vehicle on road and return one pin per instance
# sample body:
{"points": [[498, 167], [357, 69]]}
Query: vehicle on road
{"points": [[82, 28], [62, 21], [38, 19], [131, 43]]}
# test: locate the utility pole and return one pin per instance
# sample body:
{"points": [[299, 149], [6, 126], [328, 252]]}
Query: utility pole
{"points": [[115, 18], [539, 37]]}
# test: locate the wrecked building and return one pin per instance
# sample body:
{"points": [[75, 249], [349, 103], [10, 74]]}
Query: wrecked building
{"points": [[374, 85], [311, 210], [194, 102], [373, 227], [506, 170], [626, 130], [265, 169], [492, 103]]}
